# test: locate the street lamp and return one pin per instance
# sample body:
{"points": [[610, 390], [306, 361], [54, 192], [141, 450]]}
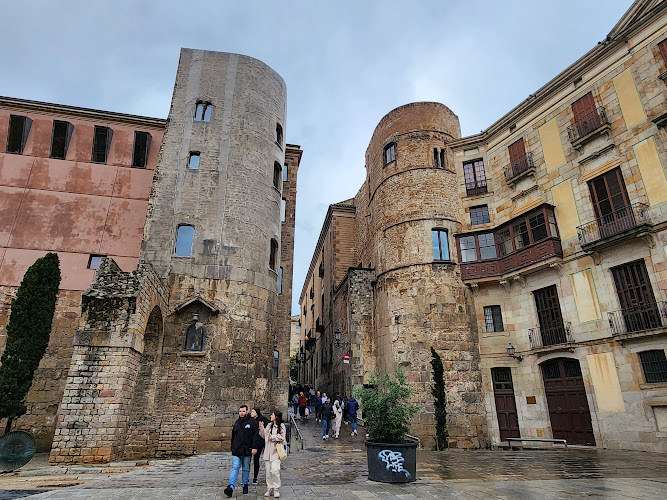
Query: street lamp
{"points": [[510, 353], [339, 342]]}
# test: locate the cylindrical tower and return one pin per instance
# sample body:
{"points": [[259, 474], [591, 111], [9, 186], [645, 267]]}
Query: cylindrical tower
{"points": [[420, 300]]}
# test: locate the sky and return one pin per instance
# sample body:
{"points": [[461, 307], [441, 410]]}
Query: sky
{"points": [[346, 65]]}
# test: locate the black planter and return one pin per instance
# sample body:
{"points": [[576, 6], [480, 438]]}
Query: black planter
{"points": [[392, 463]]}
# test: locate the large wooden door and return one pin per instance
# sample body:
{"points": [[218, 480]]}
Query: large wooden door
{"points": [[611, 203], [635, 293], [566, 398], [503, 391], [585, 116], [549, 316]]}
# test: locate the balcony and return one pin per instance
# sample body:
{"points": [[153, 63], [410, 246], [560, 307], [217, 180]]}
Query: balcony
{"points": [[519, 168], [476, 188], [319, 328], [529, 255], [550, 338], [615, 226], [587, 127], [648, 318]]}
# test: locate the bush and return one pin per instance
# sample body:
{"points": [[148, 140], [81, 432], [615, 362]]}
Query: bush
{"points": [[386, 410], [28, 333], [440, 401]]}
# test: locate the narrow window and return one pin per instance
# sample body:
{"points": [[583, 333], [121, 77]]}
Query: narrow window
{"points": [[389, 153], [586, 117], [487, 246], [280, 280], [142, 144], [276, 175], [504, 242], [440, 244], [663, 50], [285, 172], [442, 158], [493, 319], [436, 158], [184, 238], [203, 111], [654, 365], [538, 227], [199, 111], [208, 109], [283, 208], [475, 177], [101, 143], [468, 249], [276, 357], [273, 256], [60, 137], [279, 134], [312, 294], [194, 336], [19, 128], [94, 261], [521, 238], [193, 162], [479, 215]]}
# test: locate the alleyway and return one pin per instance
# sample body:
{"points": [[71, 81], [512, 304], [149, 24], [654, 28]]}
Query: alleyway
{"points": [[337, 469]]}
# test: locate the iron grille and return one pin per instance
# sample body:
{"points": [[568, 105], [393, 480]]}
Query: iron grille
{"points": [[643, 316], [654, 365], [476, 187], [556, 334], [614, 223], [501, 374], [572, 369], [518, 166], [587, 124], [551, 371]]}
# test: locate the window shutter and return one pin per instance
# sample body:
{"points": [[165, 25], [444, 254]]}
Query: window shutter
{"points": [[109, 136], [26, 130], [663, 49]]}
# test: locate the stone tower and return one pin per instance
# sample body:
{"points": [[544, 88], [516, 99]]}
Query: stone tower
{"points": [[413, 211]]}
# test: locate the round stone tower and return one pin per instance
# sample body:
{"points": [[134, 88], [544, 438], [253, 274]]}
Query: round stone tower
{"points": [[420, 300]]}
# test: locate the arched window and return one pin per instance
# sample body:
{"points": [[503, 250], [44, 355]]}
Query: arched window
{"points": [[184, 236], [273, 256], [194, 335], [277, 172], [203, 111]]}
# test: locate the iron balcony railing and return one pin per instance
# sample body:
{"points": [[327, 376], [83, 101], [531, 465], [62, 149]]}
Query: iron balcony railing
{"points": [[614, 223], [641, 317], [476, 187], [518, 166], [556, 334], [588, 123]]}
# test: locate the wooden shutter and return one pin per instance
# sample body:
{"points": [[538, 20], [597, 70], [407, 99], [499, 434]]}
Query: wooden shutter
{"points": [[549, 316], [663, 49], [583, 107], [517, 151], [635, 295], [611, 203]]}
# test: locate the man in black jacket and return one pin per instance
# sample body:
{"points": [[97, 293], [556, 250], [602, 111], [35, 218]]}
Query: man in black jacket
{"points": [[245, 434], [326, 413]]}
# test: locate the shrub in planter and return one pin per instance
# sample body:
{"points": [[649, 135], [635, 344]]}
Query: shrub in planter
{"points": [[388, 413]]}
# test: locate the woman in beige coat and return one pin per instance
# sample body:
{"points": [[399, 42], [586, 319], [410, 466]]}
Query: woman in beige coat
{"points": [[274, 436]]}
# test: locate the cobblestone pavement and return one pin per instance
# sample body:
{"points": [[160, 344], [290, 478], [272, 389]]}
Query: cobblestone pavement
{"points": [[336, 469]]}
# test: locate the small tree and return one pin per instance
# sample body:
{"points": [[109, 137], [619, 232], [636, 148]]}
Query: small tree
{"points": [[28, 334], [386, 409], [294, 368], [440, 396]]}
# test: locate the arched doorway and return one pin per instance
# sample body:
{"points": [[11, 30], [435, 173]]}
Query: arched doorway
{"points": [[566, 398]]}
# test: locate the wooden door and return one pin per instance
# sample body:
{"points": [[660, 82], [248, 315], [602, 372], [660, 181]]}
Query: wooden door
{"points": [[611, 203], [566, 399], [635, 294], [552, 329], [586, 117], [518, 160], [503, 392]]}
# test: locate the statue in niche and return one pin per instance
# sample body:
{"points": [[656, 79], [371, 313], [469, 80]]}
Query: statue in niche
{"points": [[194, 335]]}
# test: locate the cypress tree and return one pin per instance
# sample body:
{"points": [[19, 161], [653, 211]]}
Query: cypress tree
{"points": [[440, 397], [28, 334]]}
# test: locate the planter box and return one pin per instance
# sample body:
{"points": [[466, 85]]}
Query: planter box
{"points": [[392, 463]]}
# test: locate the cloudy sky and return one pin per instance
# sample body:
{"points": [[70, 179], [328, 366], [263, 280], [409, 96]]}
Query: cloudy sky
{"points": [[346, 64]]}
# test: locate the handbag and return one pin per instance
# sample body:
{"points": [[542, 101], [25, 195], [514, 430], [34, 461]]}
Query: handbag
{"points": [[307, 411], [282, 451]]}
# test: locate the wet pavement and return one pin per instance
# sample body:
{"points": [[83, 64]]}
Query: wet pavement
{"points": [[336, 469]]}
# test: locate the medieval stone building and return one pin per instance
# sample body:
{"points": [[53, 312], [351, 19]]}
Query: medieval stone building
{"points": [[531, 256], [190, 225]]}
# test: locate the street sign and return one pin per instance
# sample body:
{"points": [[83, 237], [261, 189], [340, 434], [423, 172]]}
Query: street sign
{"points": [[346, 358]]}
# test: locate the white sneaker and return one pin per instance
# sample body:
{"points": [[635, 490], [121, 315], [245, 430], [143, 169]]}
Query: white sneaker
{"points": [[323, 438]]}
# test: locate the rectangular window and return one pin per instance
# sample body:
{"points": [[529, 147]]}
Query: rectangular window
{"points": [[283, 208], [280, 280], [279, 134], [654, 365], [438, 158], [142, 144], [285, 172], [440, 244], [468, 249], [273, 255], [276, 357], [504, 242], [493, 319], [19, 128], [479, 215], [663, 50], [611, 203], [94, 261], [60, 137], [550, 319], [277, 175], [487, 246], [538, 227], [475, 177], [101, 143], [639, 310], [184, 237], [521, 238], [193, 162], [586, 117], [389, 153]]}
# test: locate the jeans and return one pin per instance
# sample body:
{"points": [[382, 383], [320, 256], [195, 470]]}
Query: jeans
{"points": [[353, 423], [237, 462], [326, 427]]}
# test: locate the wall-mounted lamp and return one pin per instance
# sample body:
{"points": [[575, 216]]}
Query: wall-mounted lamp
{"points": [[510, 353], [338, 341]]}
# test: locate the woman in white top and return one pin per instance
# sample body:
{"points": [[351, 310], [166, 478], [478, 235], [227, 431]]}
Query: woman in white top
{"points": [[338, 417], [274, 436]]}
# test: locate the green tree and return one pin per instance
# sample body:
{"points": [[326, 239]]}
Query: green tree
{"points": [[440, 396], [294, 368], [28, 334]]}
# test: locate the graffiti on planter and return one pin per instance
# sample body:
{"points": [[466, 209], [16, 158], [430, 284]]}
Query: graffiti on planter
{"points": [[394, 461]]}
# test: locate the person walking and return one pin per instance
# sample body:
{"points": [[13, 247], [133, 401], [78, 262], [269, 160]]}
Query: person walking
{"points": [[302, 406], [338, 418], [244, 432], [352, 406], [256, 413], [295, 404], [326, 412], [274, 436], [317, 403]]}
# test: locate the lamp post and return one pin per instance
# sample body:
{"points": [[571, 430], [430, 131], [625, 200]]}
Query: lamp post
{"points": [[510, 352]]}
